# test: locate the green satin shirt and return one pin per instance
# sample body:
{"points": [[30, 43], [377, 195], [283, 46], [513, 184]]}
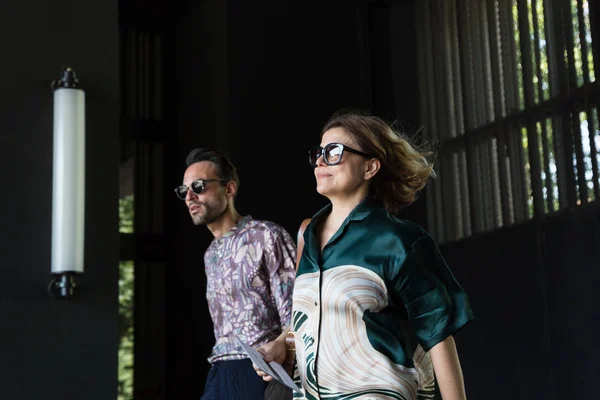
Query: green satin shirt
{"points": [[368, 308]]}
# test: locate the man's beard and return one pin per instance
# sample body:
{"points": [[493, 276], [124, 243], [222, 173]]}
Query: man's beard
{"points": [[213, 213]]}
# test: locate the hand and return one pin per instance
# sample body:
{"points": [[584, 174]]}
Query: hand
{"points": [[272, 351]]}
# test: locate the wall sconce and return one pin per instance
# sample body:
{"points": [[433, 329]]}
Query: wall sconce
{"points": [[68, 184]]}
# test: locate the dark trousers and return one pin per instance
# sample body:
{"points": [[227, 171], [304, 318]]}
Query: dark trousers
{"points": [[233, 380], [278, 391]]}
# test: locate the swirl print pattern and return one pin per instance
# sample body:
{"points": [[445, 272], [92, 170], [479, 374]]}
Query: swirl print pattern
{"points": [[348, 365]]}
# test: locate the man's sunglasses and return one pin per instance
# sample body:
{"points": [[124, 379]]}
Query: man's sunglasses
{"points": [[332, 154], [198, 187]]}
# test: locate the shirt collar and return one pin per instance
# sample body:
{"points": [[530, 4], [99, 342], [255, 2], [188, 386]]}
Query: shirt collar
{"points": [[241, 224], [360, 212]]}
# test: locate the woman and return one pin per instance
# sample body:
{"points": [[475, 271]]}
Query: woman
{"points": [[374, 302]]}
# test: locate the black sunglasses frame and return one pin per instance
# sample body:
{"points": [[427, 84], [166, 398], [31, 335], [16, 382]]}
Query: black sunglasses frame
{"points": [[320, 151], [201, 187]]}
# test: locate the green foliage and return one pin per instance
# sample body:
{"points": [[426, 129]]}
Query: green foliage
{"points": [[126, 214], [126, 306], [537, 23]]}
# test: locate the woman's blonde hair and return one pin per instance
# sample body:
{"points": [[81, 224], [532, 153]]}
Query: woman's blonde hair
{"points": [[405, 167]]}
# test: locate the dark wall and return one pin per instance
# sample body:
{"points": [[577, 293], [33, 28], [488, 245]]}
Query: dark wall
{"points": [[290, 68], [259, 80], [532, 289], [53, 349]]}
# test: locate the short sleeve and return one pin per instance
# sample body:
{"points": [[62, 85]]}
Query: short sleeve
{"points": [[436, 304], [280, 256]]}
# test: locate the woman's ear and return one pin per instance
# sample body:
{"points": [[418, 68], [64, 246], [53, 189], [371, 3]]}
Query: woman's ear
{"points": [[371, 168]]}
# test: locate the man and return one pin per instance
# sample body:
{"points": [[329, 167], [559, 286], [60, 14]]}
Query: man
{"points": [[250, 271]]}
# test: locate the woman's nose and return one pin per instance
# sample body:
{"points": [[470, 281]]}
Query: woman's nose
{"points": [[320, 161]]}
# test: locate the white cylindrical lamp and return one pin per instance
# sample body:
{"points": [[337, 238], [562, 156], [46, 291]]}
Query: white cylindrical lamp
{"points": [[68, 183]]}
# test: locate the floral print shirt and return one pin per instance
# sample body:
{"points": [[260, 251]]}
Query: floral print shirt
{"points": [[250, 274]]}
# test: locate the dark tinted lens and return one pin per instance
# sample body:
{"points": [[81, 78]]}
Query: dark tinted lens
{"points": [[181, 191], [197, 186], [333, 154], [313, 154]]}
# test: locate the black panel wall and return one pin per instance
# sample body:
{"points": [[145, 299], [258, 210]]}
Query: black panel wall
{"points": [[53, 349], [259, 80], [532, 287], [572, 259]]}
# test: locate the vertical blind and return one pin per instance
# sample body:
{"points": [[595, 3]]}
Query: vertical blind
{"points": [[508, 93]]}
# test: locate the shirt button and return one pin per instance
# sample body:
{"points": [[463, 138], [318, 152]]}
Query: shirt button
{"points": [[316, 303]]}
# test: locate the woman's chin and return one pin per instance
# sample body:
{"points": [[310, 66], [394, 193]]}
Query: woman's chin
{"points": [[322, 189], [327, 191]]}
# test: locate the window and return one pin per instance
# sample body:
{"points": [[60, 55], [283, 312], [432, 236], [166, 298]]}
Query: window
{"points": [[126, 306], [508, 91], [142, 290]]}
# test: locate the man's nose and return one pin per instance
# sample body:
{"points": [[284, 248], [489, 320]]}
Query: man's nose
{"points": [[190, 195]]}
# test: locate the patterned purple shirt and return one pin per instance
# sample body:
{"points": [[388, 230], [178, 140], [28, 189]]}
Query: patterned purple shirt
{"points": [[250, 275]]}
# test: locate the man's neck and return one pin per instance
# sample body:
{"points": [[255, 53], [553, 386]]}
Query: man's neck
{"points": [[224, 224]]}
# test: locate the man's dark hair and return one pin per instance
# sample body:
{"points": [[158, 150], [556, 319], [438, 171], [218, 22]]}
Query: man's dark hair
{"points": [[225, 168]]}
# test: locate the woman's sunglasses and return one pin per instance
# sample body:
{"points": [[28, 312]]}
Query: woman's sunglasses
{"points": [[198, 187], [332, 154]]}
